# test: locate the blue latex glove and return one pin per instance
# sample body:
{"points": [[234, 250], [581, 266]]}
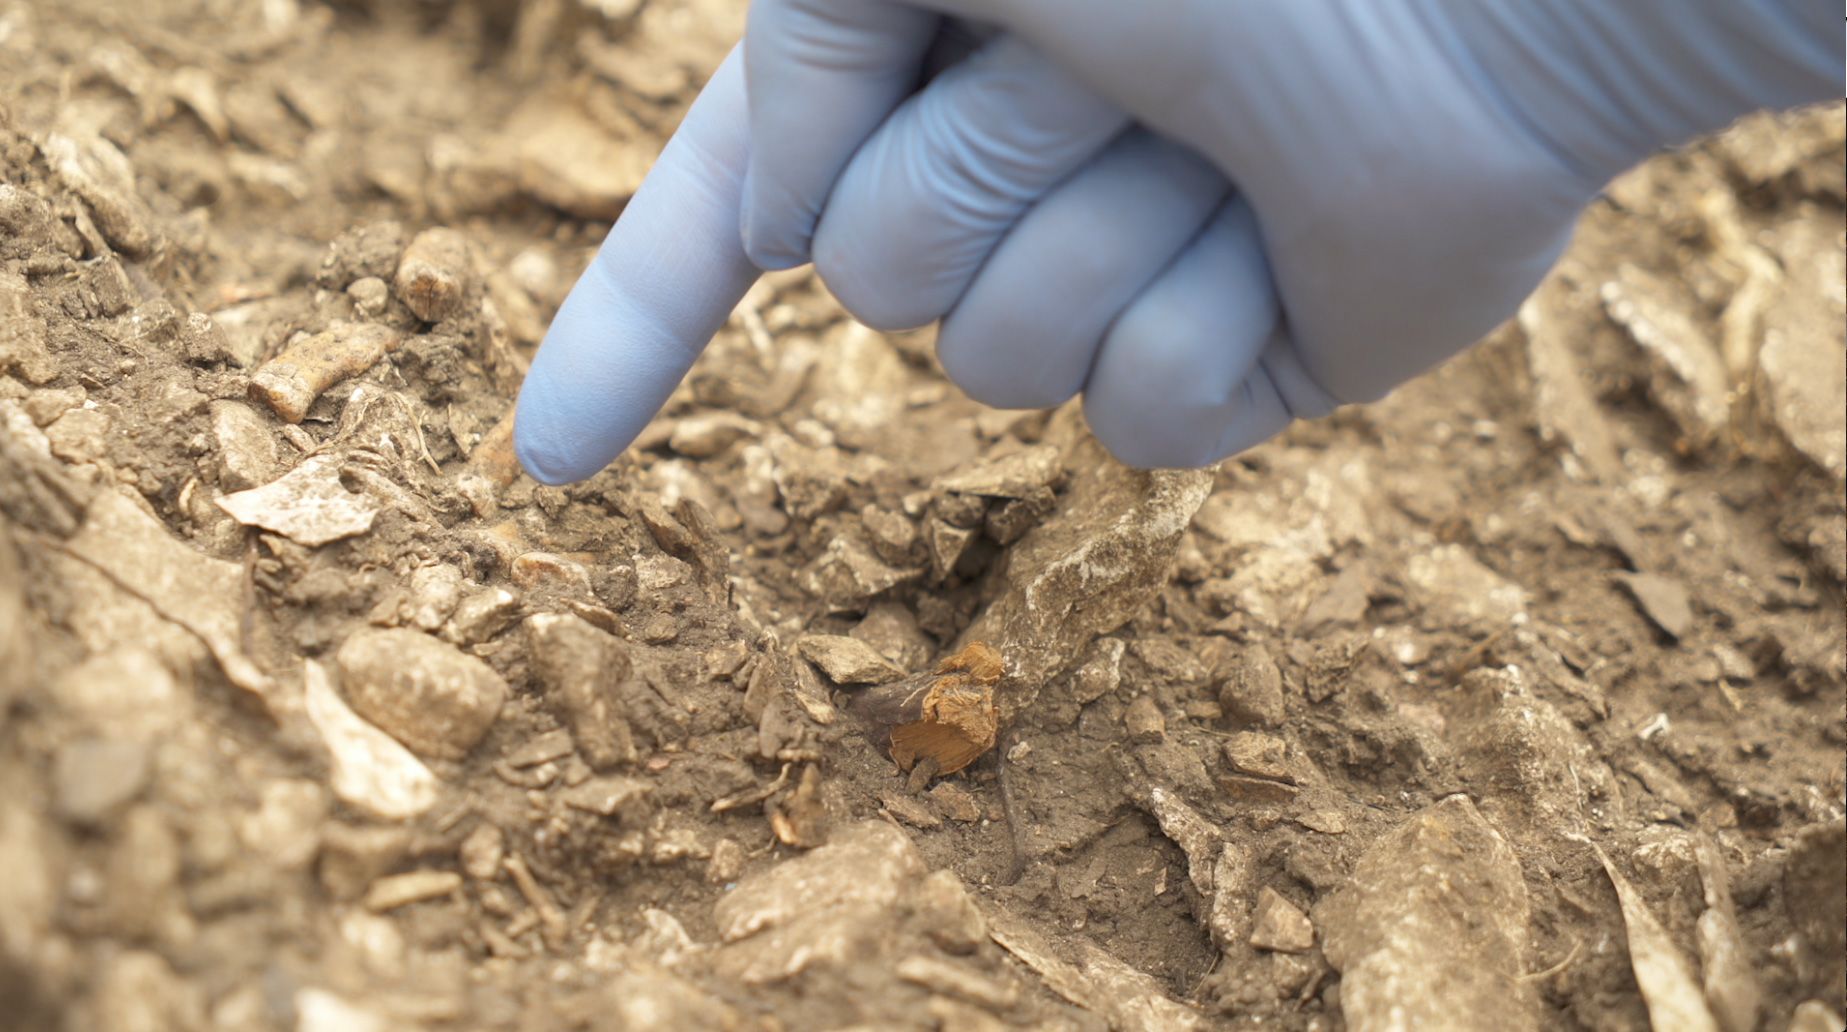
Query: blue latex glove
{"points": [[1210, 218]]}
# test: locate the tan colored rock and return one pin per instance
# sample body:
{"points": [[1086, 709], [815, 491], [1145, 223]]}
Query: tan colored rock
{"points": [[1087, 569], [308, 505], [246, 448], [572, 163], [422, 691], [1280, 925], [98, 172], [371, 771], [847, 660], [581, 670], [1258, 754], [434, 274], [1430, 930]]}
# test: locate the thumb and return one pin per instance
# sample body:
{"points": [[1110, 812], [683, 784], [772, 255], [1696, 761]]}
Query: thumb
{"points": [[663, 283]]}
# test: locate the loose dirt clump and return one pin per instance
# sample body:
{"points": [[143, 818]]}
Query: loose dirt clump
{"points": [[1518, 693]]}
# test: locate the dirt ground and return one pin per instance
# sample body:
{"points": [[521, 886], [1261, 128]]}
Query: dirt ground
{"points": [[1516, 699]]}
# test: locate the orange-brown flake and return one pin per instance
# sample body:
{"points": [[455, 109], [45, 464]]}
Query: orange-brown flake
{"points": [[959, 721]]}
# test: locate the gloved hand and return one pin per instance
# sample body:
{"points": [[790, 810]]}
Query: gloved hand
{"points": [[1209, 218]]}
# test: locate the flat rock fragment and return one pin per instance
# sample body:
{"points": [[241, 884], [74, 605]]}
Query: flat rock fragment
{"points": [[581, 670], [1731, 985], [1673, 996], [572, 163], [197, 592], [97, 171], [1428, 934], [422, 691], [1280, 925], [371, 771], [1689, 381], [1454, 589], [824, 907], [291, 381], [308, 505], [1802, 364], [246, 448], [1087, 569], [1663, 600], [847, 660], [1129, 1000]]}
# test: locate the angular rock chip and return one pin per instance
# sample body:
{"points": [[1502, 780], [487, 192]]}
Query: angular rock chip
{"points": [[195, 591], [1280, 925], [1087, 569], [308, 505], [826, 907], [1428, 934], [1019, 475], [582, 670], [246, 448], [847, 660], [572, 163], [1663, 600], [424, 692], [371, 771], [97, 171], [1454, 590], [1689, 381], [1668, 988]]}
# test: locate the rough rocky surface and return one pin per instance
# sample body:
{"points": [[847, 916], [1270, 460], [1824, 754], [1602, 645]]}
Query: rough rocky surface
{"points": [[1588, 576], [422, 691]]}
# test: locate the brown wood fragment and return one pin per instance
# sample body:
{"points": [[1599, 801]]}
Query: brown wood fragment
{"points": [[947, 716], [291, 381]]}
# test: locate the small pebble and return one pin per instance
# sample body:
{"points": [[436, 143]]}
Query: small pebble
{"points": [[1280, 925]]}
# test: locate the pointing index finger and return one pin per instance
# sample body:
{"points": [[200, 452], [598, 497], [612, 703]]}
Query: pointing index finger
{"points": [[663, 283]]}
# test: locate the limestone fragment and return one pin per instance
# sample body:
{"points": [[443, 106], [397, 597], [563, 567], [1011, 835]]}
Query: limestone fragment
{"points": [[434, 273], [1689, 381], [371, 771], [195, 591], [480, 616], [1455, 590], [424, 692], [847, 660], [1280, 925], [1019, 475], [1144, 721], [1259, 755], [1663, 599], [1128, 999], [582, 670], [706, 434], [1731, 986], [1428, 933], [246, 449], [570, 162], [1253, 694], [308, 504], [1668, 988], [291, 381], [825, 907], [849, 574], [1087, 569], [93, 778], [97, 171], [1802, 365], [22, 333], [401, 890]]}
